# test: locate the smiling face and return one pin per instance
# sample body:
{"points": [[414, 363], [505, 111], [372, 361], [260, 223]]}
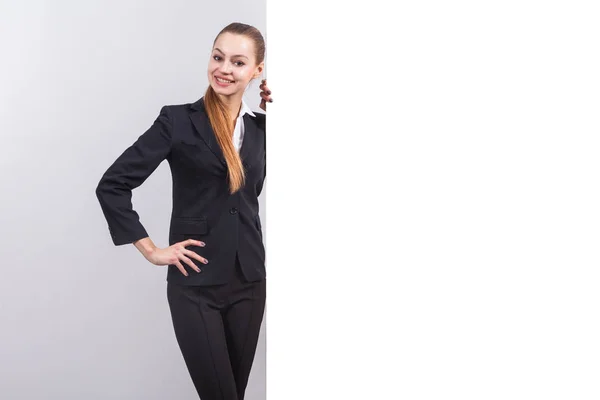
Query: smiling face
{"points": [[232, 64]]}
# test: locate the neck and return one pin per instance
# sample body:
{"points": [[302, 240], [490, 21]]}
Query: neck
{"points": [[233, 104]]}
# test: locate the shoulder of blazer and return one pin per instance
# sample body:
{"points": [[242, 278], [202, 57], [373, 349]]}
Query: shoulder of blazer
{"points": [[179, 112], [177, 108]]}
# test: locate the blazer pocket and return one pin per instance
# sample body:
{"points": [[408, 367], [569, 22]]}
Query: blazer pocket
{"points": [[189, 226]]}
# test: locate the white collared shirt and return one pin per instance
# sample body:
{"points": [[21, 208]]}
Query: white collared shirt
{"points": [[238, 131]]}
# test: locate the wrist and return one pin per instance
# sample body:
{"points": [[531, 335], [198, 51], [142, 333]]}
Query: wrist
{"points": [[146, 247]]}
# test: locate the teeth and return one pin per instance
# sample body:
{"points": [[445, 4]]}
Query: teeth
{"points": [[224, 81]]}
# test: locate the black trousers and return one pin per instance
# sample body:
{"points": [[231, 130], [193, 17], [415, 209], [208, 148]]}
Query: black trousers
{"points": [[217, 330]]}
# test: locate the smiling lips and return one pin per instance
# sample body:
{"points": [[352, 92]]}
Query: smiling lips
{"points": [[222, 81]]}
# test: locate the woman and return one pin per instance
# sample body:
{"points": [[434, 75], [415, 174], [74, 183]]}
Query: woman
{"points": [[216, 279]]}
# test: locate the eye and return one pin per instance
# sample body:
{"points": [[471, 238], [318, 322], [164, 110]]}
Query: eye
{"points": [[239, 63], [216, 58]]}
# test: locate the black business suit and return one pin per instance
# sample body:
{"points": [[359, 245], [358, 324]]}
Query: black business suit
{"points": [[216, 313]]}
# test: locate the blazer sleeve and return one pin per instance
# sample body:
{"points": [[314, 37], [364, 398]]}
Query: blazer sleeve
{"points": [[130, 170]]}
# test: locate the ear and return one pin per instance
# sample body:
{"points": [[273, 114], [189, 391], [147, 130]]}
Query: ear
{"points": [[258, 71]]}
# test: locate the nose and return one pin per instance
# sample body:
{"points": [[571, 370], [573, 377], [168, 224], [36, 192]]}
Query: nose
{"points": [[225, 68]]}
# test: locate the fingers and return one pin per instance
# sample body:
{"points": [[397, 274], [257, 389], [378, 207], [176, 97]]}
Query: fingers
{"points": [[189, 262], [263, 86], [192, 242], [265, 97], [182, 254], [194, 255], [265, 93], [180, 267]]}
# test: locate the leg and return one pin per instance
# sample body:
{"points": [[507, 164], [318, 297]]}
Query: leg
{"points": [[200, 334], [242, 320]]}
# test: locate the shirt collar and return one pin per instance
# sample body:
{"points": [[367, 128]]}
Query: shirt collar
{"points": [[245, 110]]}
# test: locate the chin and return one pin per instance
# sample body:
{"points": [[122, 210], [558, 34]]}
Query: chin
{"points": [[224, 91]]}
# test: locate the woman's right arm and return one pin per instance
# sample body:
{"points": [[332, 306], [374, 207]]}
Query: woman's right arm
{"points": [[130, 170], [114, 192]]}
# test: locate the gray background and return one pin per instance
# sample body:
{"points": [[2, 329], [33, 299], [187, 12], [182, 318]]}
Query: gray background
{"points": [[80, 81]]}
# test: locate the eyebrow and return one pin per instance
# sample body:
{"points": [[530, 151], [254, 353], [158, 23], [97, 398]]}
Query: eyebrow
{"points": [[237, 55]]}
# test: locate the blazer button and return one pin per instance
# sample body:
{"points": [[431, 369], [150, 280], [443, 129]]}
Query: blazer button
{"points": [[233, 211]]}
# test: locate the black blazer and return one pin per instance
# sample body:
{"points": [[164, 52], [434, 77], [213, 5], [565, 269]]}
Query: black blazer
{"points": [[203, 208]]}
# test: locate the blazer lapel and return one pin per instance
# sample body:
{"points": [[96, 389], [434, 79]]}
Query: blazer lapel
{"points": [[201, 122]]}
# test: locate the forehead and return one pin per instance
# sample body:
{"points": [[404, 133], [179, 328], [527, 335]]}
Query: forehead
{"points": [[233, 44]]}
